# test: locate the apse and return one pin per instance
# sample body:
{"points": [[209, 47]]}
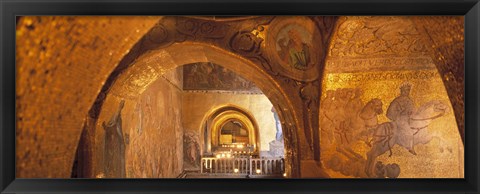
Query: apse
{"points": [[229, 118]]}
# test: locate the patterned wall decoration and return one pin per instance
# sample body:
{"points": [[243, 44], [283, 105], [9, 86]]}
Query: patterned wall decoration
{"points": [[387, 124], [114, 145], [208, 76], [385, 112]]}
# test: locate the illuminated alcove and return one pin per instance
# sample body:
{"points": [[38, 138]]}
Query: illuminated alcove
{"points": [[233, 132], [223, 131]]}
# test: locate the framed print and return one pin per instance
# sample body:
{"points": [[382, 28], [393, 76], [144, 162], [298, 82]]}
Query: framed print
{"points": [[184, 96]]}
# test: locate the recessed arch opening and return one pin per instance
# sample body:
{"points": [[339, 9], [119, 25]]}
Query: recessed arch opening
{"points": [[147, 68], [215, 121]]}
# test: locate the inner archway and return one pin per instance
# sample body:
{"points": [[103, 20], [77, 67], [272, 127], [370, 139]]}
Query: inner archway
{"points": [[233, 132], [152, 65], [232, 126]]}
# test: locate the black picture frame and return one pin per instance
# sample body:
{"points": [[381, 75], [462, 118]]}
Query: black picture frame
{"points": [[9, 9]]}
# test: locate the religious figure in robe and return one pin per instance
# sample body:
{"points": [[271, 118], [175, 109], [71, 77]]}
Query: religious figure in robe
{"points": [[295, 52]]}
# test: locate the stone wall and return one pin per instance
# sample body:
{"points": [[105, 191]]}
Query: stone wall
{"points": [[62, 63]]}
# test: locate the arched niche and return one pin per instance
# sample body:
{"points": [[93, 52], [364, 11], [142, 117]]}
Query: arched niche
{"points": [[219, 117]]}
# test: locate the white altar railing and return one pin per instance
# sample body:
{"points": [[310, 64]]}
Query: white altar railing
{"points": [[247, 166]]}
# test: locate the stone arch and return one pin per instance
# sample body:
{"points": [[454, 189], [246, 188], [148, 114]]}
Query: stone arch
{"points": [[98, 51], [149, 66], [230, 115], [208, 130]]}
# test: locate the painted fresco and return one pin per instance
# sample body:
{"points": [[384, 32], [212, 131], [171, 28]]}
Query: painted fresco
{"points": [[191, 151], [293, 47], [291, 44], [208, 76], [389, 125]]}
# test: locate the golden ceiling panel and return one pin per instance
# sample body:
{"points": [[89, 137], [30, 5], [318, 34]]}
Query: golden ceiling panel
{"points": [[376, 36]]}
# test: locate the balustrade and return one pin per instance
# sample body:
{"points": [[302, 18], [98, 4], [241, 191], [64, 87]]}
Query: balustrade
{"points": [[247, 166]]}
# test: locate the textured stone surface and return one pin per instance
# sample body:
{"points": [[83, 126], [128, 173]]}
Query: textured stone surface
{"points": [[208, 76], [276, 148], [446, 38], [62, 62]]}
